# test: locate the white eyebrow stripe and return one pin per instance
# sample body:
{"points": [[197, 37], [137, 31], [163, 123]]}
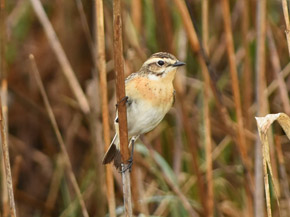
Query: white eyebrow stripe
{"points": [[155, 59], [152, 60]]}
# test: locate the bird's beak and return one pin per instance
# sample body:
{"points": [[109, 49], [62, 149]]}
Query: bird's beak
{"points": [[178, 63]]}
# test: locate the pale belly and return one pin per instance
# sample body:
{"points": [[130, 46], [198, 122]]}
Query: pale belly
{"points": [[143, 117]]}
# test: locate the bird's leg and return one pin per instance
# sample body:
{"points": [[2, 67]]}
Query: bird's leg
{"points": [[123, 99], [130, 160]]}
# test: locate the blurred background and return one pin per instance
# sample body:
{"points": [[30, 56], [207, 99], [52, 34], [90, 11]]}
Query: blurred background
{"points": [[204, 159]]}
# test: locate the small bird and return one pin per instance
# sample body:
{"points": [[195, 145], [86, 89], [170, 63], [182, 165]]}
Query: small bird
{"points": [[149, 96]]}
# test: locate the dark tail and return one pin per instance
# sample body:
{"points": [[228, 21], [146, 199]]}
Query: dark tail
{"points": [[113, 154]]}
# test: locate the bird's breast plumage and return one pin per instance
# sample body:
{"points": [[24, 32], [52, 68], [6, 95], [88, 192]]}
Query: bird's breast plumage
{"points": [[150, 101], [157, 93]]}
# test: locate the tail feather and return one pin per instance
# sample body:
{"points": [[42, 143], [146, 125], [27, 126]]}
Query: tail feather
{"points": [[113, 153]]}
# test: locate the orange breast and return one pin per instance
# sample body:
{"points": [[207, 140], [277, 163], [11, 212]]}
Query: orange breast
{"points": [[155, 92]]}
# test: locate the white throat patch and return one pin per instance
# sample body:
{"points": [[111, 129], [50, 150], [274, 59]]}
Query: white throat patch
{"points": [[154, 77]]}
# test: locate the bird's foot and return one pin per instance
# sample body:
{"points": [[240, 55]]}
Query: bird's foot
{"points": [[130, 161], [128, 166]]}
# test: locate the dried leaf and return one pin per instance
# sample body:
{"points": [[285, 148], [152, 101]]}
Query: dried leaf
{"points": [[263, 124]]}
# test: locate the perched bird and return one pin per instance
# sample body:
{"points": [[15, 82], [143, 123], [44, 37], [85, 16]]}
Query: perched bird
{"points": [[149, 96]]}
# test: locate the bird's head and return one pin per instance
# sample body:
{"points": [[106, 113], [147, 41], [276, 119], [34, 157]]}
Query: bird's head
{"points": [[161, 65]]}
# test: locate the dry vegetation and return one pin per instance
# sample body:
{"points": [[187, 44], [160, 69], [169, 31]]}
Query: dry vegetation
{"points": [[204, 159]]}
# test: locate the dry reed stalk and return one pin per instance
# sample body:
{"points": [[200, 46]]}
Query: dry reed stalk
{"points": [[195, 46], [5, 155], [122, 115], [58, 136], [86, 29], [3, 187], [61, 57], [260, 56], [135, 190], [261, 98], [235, 84], [247, 72], [191, 34], [286, 17], [192, 37], [247, 97], [103, 87], [204, 20], [164, 29], [277, 68], [7, 187], [241, 140], [4, 192], [190, 134], [206, 113], [136, 11]]}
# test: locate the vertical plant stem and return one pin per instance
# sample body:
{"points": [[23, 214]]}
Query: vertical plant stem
{"points": [[241, 140], [195, 46], [247, 96], [86, 29], [286, 17], [205, 25], [58, 136], [7, 183], [261, 98], [135, 191], [190, 134], [3, 188], [165, 30], [191, 34], [122, 115], [247, 72], [260, 59], [277, 68], [5, 153], [60, 54], [136, 10], [101, 63], [235, 83], [206, 112]]}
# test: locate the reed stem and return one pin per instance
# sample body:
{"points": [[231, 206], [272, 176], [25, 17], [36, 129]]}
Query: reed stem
{"points": [[101, 63], [122, 115]]}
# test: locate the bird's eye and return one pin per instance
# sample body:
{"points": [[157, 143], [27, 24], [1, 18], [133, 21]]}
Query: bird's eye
{"points": [[160, 63]]}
